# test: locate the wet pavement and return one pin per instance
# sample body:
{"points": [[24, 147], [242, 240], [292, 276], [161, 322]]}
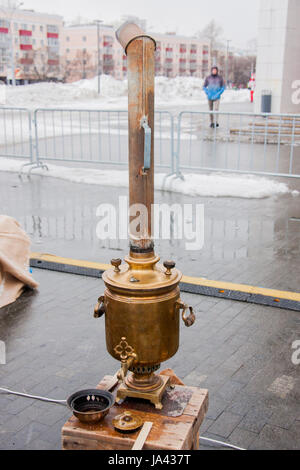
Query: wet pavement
{"points": [[250, 241], [242, 353]]}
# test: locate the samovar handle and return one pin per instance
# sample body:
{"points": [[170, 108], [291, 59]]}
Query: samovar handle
{"points": [[190, 319], [99, 309]]}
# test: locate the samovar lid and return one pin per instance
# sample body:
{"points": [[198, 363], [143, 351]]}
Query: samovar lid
{"points": [[142, 272]]}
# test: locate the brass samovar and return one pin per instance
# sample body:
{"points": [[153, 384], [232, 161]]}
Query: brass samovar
{"points": [[141, 301]]}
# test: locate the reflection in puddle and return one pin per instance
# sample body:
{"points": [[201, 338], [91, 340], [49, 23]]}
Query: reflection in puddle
{"points": [[58, 211]]}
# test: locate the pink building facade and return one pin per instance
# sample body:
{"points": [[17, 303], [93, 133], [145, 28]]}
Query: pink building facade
{"points": [[37, 46], [181, 56], [29, 43], [79, 51], [175, 55]]}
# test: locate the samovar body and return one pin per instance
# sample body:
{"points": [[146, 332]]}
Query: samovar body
{"points": [[142, 305]]}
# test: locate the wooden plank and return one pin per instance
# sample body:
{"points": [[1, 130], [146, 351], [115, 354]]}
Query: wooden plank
{"points": [[142, 437]]}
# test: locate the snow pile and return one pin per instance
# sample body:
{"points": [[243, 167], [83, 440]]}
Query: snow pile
{"points": [[49, 94], [212, 185], [171, 91], [179, 88]]}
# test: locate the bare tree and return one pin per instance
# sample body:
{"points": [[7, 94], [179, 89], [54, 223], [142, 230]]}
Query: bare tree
{"points": [[242, 66], [35, 65], [9, 3], [82, 66], [212, 32]]}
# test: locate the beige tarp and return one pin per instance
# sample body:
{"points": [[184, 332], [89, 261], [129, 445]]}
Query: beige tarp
{"points": [[14, 261]]}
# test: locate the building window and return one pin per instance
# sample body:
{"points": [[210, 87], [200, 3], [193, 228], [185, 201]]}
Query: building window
{"points": [[16, 26], [42, 42], [33, 27], [67, 51], [53, 42], [41, 28], [68, 38], [84, 38]]}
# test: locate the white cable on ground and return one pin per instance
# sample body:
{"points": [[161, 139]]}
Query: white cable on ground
{"points": [[64, 402], [221, 443], [34, 397]]}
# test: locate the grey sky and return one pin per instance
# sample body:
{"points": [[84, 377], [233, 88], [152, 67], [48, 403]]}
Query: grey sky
{"points": [[238, 17]]}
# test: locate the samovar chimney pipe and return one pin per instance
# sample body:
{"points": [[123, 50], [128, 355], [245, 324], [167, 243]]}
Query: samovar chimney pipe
{"points": [[140, 51]]}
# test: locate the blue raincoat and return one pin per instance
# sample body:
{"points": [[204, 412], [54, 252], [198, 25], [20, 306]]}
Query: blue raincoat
{"points": [[214, 87]]}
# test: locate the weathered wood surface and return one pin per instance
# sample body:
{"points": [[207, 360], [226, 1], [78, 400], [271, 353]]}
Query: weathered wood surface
{"points": [[167, 433]]}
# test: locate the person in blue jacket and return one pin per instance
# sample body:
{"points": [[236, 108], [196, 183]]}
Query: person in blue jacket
{"points": [[214, 87]]}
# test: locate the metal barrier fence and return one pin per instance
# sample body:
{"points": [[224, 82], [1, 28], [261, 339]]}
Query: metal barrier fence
{"points": [[96, 136], [265, 144], [16, 133]]}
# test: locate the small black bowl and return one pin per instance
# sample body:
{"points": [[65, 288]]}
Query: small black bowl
{"points": [[91, 405]]}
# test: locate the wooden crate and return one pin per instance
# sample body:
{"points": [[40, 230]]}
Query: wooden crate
{"points": [[167, 433]]}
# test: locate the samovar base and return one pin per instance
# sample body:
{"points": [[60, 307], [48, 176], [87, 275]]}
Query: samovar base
{"points": [[154, 396], [145, 382]]}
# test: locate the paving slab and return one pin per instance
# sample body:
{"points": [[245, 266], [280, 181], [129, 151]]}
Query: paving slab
{"points": [[54, 349]]}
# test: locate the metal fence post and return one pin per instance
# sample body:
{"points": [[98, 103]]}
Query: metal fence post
{"points": [[177, 154]]}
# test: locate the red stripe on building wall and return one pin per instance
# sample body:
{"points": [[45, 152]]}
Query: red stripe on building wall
{"points": [[4, 30], [53, 62], [52, 35], [25, 32], [26, 61], [25, 47]]}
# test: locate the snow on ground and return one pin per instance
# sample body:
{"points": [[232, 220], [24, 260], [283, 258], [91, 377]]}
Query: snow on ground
{"points": [[211, 185], [168, 91]]}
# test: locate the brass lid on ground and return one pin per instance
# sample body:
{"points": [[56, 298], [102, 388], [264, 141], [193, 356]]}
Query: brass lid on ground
{"points": [[127, 422]]}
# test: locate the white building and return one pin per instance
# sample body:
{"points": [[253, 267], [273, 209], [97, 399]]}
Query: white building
{"points": [[278, 62]]}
